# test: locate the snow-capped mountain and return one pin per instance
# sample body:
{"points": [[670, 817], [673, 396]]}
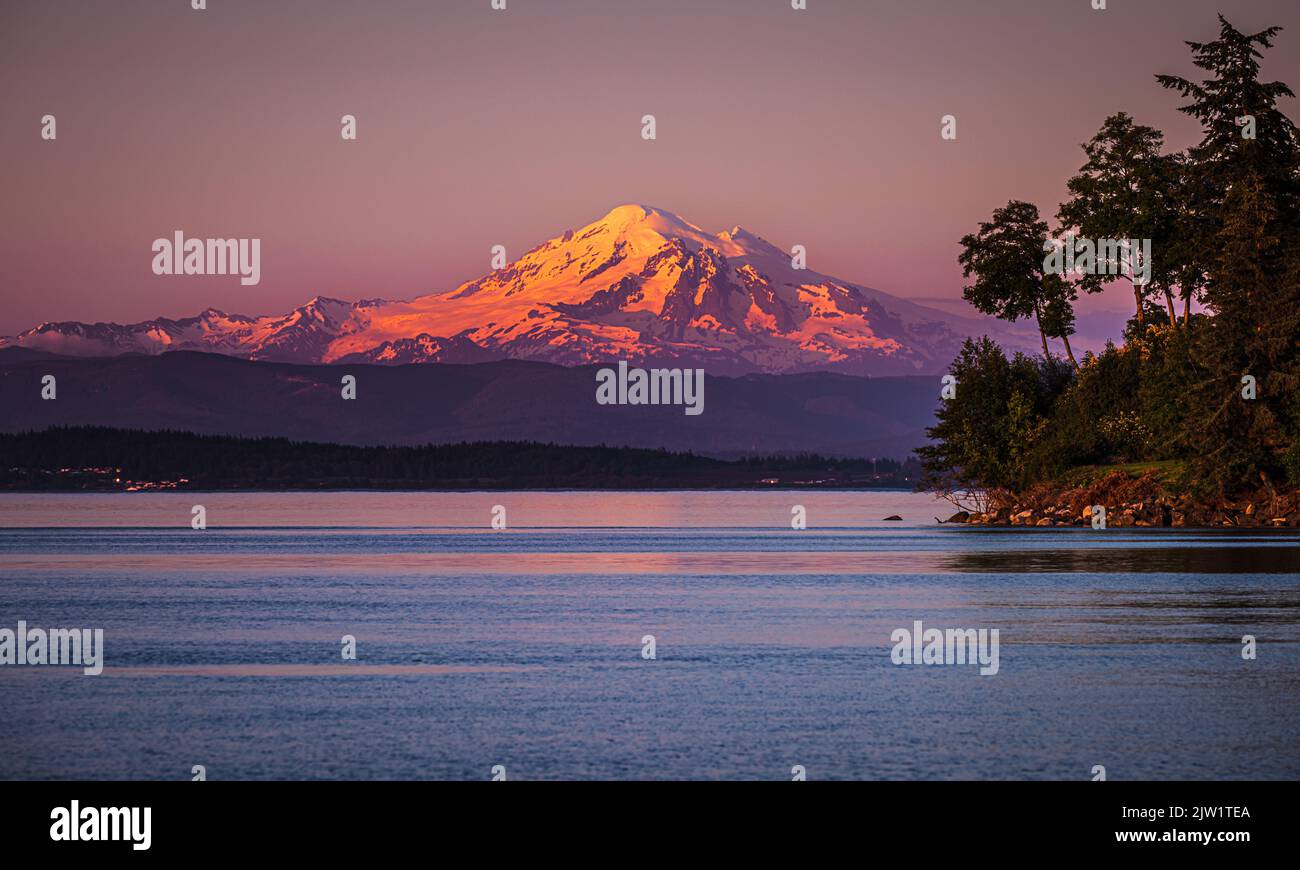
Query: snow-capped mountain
{"points": [[640, 284]]}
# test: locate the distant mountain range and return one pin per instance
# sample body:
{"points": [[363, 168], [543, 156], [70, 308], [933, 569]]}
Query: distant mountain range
{"points": [[510, 400], [640, 284]]}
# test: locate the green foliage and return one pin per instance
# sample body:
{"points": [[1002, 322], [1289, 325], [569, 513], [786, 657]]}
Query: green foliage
{"points": [[1248, 191], [1291, 463], [1006, 259], [1167, 377], [1224, 219], [1107, 387], [1126, 190], [1233, 90], [1126, 437], [996, 417]]}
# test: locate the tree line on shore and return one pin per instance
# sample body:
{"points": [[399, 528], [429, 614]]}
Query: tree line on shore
{"points": [[1205, 385], [92, 457]]}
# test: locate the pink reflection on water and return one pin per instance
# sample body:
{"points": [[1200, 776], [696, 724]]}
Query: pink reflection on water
{"points": [[254, 565], [684, 509], [306, 670]]}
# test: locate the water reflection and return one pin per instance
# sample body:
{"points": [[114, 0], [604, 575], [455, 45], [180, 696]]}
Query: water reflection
{"points": [[1201, 559]]}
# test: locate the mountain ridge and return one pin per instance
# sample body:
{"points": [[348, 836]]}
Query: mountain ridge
{"points": [[641, 284], [828, 413]]}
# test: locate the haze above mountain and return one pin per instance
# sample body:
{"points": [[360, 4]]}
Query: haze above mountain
{"points": [[640, 284]]}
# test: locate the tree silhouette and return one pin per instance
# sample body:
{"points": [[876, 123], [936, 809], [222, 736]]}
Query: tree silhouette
{"points": [[1126, 190], [1006, 259]]}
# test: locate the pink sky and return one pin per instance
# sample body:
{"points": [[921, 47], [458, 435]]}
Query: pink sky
{"points": [[477, 128]]}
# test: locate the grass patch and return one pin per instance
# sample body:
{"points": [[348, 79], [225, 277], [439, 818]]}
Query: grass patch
{"points": [[1165, 471]]}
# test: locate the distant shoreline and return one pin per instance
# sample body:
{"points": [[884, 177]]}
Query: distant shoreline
{"points": [[100, 459]]}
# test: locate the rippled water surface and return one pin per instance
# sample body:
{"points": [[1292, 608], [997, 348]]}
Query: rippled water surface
{"points": [[522, 646]]}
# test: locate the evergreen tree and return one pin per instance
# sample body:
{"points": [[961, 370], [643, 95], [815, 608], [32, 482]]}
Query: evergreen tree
{"points": [[1245, 195], [1224, 220], [987, 428], [1221, 103]]}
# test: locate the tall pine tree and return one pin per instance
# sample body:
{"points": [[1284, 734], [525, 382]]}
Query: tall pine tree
{"points": [[1243, 194]]}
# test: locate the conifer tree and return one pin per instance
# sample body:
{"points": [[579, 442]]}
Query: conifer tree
{"points": [[1245, 195]]}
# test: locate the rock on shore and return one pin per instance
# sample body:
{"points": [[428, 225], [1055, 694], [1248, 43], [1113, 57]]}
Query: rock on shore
{"points": [[1140, 502]]}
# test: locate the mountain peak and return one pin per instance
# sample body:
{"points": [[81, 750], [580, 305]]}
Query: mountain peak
{"points": [[641, 283], [649, 225], [645, 229], [629, 213], [633, 217], [318, 300]]}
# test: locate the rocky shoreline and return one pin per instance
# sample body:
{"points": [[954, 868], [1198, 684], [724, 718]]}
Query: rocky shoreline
{"points": [[1141, 502]]}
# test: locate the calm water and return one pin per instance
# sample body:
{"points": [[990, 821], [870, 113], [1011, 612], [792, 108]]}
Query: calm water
{"points": [[522, 647]]}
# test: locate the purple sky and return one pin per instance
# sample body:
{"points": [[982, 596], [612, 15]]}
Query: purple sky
{"points": [[477, 127]]}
